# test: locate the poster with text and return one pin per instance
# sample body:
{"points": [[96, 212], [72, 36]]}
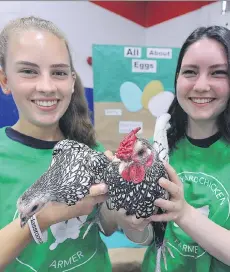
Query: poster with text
{"points": [[132, 86]]}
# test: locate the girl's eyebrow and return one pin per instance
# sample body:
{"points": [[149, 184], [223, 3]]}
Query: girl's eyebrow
{"points": [[60, 65], [57, 65], [21, 62], [189, 66], [219, 65], [223, 65]]}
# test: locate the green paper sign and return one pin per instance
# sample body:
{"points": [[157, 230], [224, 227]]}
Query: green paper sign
{"points": [[115, 67]]}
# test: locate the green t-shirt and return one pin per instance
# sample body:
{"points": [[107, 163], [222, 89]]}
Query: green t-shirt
{"points": [[65, 250], [205, 176]]}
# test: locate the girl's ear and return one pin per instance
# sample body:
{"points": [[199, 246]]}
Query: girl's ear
{"points": [[73, 86], [3, 83], [74, 79]]}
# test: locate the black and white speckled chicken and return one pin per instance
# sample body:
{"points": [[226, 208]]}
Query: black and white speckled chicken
{"points": [[132, 177], [73, 169]]}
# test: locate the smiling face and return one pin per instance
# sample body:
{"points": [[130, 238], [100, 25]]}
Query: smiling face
{"points": [[39, 76], [203, 82]]}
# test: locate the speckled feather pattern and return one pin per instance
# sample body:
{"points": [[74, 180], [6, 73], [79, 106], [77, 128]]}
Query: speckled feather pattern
{"points": [[136, 199], [74, 168]]}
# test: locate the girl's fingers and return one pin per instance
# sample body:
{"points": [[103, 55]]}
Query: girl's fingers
{"points": [[172, 174], [167, 205], [163, 217], [174, 190], [109, 154], [99, 199], [98, 189]]}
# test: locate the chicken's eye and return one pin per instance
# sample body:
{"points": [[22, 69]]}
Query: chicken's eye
{"points": [[34, 208], [141, 152]]}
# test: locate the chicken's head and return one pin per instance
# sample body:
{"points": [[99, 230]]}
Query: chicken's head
{"points": [[135, 156]]}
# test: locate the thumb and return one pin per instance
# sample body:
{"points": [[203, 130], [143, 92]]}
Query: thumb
{"points": [[98, 189], [109, 154]]}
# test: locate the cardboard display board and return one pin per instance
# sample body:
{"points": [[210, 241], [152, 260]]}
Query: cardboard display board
{"points": [[132, 86]]}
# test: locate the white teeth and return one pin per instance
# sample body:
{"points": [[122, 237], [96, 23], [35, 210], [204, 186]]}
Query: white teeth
{"points": [[45, 103], [202, 100]]}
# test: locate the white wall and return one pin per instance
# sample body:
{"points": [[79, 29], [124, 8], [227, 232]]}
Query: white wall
{"points": [[84, 24], [173, 32], [215, 17]]}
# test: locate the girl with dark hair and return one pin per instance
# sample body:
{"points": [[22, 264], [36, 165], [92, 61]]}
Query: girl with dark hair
{"points": [[37, 69], [179, 120], [197, 237]]}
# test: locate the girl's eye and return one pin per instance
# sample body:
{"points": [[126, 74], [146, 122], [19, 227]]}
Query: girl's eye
{"points": [[189, 72], [220, 73], [28, 72], [60, 74]]}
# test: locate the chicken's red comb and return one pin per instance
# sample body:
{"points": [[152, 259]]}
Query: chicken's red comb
{"points": [[125, 148]]}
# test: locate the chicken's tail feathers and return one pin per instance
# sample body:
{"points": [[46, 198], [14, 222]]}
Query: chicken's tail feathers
{"points": [[160, 140], [159, 229]]}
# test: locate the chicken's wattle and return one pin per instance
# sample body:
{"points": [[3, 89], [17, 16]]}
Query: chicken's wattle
{"points": [[134, 173]]}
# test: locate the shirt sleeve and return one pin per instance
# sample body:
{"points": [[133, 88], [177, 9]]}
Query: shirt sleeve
{"points": [[99, 147]]}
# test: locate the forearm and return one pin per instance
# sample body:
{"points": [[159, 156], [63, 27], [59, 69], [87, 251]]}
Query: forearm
{"points": [[110, 220], [107, 220], [15, 239], [211, 237], [143, 238]]}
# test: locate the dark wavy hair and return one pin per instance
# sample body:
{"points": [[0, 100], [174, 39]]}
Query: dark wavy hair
{"points": [[178, 115], [75, 124]]}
